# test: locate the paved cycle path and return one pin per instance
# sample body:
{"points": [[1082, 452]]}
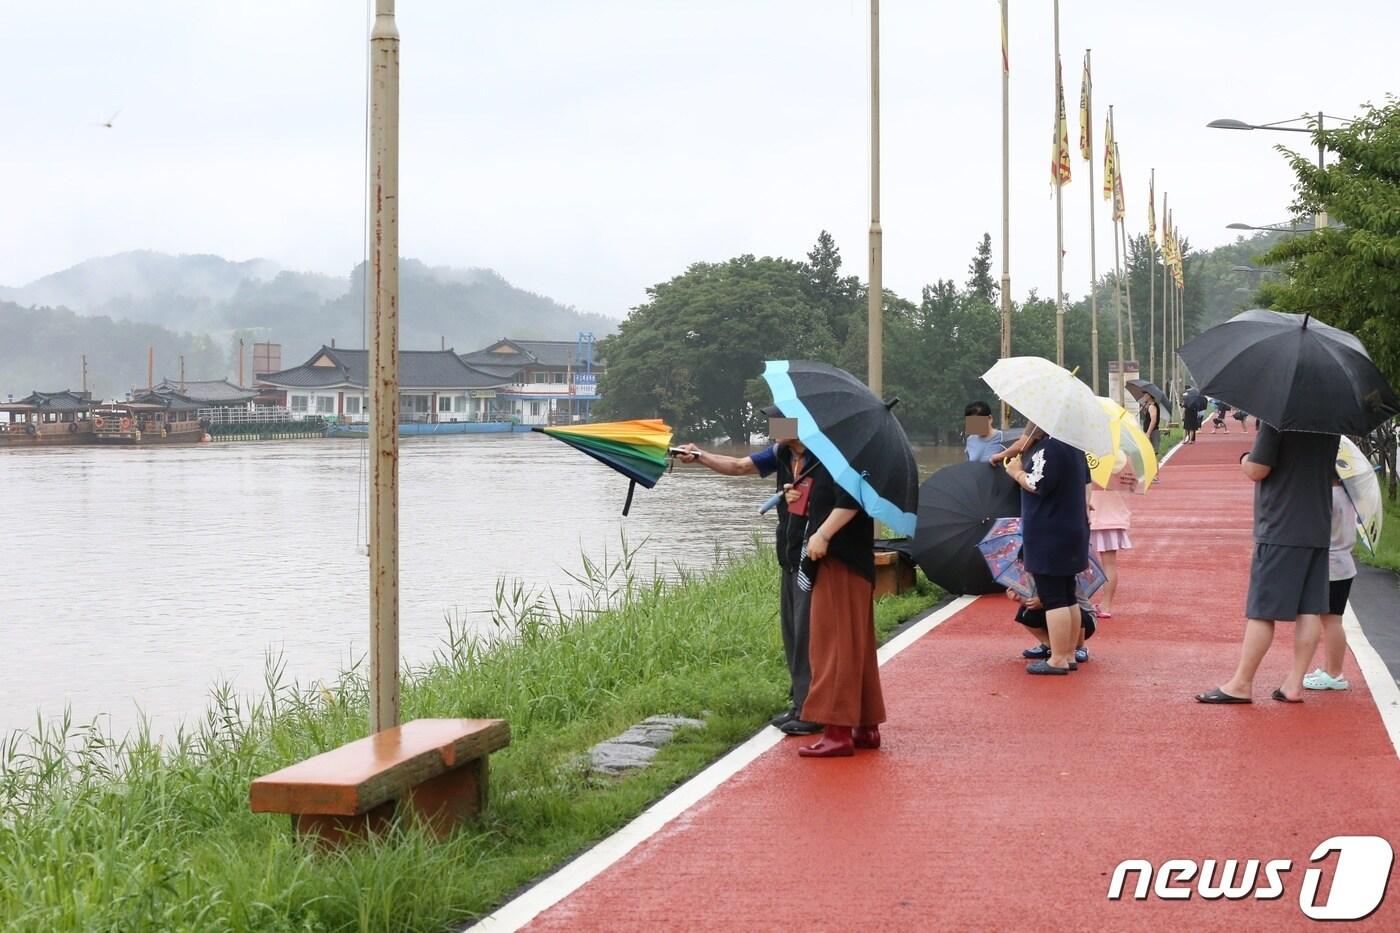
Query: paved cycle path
{"points": [[1004, 801]]}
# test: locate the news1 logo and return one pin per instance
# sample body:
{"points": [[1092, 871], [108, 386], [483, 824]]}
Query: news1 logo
{"points": [[1359, 879]]}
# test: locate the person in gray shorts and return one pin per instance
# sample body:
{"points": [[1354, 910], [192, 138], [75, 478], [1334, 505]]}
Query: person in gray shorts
{"points": [[1288, 576]]}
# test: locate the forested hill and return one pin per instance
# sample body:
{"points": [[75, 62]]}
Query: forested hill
{"points": [[112, 308]]}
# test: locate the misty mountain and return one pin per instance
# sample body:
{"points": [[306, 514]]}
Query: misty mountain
{"points": [[113, 307]]}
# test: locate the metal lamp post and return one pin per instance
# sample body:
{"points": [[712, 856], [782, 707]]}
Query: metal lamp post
{"points": [[876, 303], [1227, 123]]}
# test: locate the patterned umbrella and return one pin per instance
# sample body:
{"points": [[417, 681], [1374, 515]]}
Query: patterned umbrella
{"points": [[1128, 440], [636, 449], [1359, 480], [1001, 549]]}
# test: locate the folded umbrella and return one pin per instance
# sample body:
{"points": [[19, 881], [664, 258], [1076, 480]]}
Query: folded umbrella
{"points": [[1137, 388], [1129, 442], [957, 507], [1054, 400], [636, 449], [854, 435], [1001, 549], [1363, 488], [1292, 372]]}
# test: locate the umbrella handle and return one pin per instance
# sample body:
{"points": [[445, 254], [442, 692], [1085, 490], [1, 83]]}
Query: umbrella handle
{"points": [[627, 506], [770, 503]]}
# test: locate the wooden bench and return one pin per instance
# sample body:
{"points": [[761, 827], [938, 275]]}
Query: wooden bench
{"points": [[436, 768], [894, 573]]}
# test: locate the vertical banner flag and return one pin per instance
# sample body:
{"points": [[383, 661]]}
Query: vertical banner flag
{"points": [[1119, 205], [1059, 157], [1152, 212], [1108, 168], [1179, 272], [1086, 143], [1005, 54], [1166, 232]]}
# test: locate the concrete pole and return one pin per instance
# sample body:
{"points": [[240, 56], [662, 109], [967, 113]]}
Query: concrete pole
{"points": [[1059, 213], [876, 306], [1320, 217], [182, 372], [1005, 198], [1152, 296], [384, 369], [1166, 306], [85, 372], [1093, 249], [240, 362], [150, 369]]}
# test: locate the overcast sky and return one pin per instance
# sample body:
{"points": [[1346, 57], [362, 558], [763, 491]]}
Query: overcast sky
{"points": [[590, 148]]}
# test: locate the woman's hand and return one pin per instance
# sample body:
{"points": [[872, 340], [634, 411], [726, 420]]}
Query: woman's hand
{"points": [[816, 546], [1014, 469], [791, 493]]}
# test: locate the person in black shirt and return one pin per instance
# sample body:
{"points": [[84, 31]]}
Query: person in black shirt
{"points": [[1288, 575], [839, 565], [1055, 529], [787, 459]]}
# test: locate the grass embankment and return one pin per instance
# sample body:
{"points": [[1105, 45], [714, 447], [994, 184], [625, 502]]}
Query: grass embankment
{"points": [[1169, 439], [1387, 552], [130, 835]]}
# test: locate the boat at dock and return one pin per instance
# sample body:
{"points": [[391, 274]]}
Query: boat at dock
{"points": [[152, 418], [47, 419]]}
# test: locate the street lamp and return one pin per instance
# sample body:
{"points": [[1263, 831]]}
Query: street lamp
{"points": [[1288, 227], [1227, 123]]}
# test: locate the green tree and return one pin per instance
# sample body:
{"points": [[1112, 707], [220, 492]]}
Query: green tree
{"points": [[841, 299], [979, 282], [689, 354]]}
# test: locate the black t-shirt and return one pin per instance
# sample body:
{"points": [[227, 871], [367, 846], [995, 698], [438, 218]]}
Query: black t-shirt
{"points": [[792, 529], [1293, 504], [854, 544], [1055, 518]]}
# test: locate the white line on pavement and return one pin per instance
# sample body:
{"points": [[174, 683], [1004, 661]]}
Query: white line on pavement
{"points": [[1378, 678]]}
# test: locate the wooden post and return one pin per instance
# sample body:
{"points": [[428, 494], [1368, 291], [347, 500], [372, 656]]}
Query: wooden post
{"points": [[1005, 200], [150, 369], [384, 370], [875, 306]]}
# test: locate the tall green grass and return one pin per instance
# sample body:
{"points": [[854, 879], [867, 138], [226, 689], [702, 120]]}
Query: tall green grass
{"points": [[98, 833]]}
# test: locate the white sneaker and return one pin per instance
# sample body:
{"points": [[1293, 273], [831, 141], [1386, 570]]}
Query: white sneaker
{"points": [[1321, 680]]}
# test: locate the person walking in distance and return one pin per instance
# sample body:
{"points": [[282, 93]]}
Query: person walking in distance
{"points": [[1341, 570], [1293, 473], [788, 459]]}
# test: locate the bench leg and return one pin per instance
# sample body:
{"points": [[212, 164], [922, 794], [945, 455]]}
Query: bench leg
{"points": [[332, 830], [446, 801]]}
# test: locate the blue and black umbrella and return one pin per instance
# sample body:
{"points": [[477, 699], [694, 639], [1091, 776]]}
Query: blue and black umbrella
{"points": [[854, 434]]}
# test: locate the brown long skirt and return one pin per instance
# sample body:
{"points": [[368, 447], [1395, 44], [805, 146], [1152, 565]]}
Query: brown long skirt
{"points": [[845, 687]]}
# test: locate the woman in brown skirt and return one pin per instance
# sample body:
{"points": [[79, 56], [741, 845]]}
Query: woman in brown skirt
{"points": [[839, 562]]}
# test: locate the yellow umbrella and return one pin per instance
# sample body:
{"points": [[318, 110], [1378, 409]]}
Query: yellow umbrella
{"points": [[1359, 480], [1129, 443]]}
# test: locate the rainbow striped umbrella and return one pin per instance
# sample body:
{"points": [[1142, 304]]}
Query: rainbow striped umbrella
{"points": [[636, 449]]}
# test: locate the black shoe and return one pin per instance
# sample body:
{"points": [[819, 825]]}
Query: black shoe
{"points": [[800, 727], [786, 715]]}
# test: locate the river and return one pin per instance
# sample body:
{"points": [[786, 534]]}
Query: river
{"points": [[135, 579]]}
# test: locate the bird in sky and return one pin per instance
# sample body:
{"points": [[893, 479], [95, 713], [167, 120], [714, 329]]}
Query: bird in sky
{"points": [[110, 119]]}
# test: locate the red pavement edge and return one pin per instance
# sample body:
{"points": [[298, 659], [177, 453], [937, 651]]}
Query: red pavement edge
{"points": [[1002, 801]]}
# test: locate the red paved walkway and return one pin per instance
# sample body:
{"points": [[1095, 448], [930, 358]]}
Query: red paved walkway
{"points": [[1003, 801]]}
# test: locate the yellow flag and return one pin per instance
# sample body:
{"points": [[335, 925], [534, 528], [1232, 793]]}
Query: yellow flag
{"points": [[1152, 211], [1086, 134], [1119, 205], [1005, 55], [1108, 154], [1059, 154]]}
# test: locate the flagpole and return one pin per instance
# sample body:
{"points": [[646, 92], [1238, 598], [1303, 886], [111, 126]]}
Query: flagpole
{"points": [[1117, 266], [384, 370], [1059, 212], [1166, 299], [1127, 273], [1005, 199], [1088, 118], [1152, 290], [876, 299]]}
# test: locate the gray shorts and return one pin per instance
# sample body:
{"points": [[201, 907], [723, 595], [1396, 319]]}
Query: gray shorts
{"points": [[1286, 582]]}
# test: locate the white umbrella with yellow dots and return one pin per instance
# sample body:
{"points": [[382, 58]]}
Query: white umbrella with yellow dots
{"points": [[1054, 400]]}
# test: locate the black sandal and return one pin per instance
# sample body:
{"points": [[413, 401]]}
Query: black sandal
{"points": [[1220, 696], [1279, 695]]}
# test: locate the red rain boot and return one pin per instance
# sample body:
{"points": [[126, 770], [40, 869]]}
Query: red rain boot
{"points": [[867, 737], [835, 743]]}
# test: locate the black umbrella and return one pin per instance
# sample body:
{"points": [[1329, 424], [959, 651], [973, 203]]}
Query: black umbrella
{"points": [[1140, 387], [957, 506], [1193, 401], [854, 435], [1292, 372]]}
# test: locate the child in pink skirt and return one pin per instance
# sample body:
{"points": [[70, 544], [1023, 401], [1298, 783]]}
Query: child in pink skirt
{"points": [[1109, 520]]}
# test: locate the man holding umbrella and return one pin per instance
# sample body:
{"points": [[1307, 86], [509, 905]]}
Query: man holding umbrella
{"points": [[1308, 383], [790, 461]]}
